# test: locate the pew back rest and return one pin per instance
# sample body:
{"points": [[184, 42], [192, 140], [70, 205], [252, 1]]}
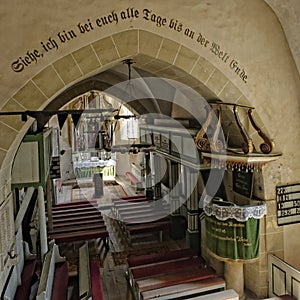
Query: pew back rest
{"points": [[23, 253], [46, 281], [15, 276], [85, 292]]}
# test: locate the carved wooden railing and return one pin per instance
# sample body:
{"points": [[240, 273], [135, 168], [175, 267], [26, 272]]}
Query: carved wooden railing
{"points": [[214, 144]]}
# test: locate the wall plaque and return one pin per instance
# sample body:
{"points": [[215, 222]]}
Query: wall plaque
{"points": [[242, 183], [288, 204]]}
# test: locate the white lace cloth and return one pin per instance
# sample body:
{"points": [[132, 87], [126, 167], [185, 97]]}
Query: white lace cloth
{"points": [[239, 213]]}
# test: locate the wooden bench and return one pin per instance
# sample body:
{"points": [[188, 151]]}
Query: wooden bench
{"points": [[128, 198], [158, 226], [79, 235], [27, 276], [180, 290], [69, 215], [73, 225], [86, 227], [74, 204], [143, 211], [141, 217], [90, 284], [59, 221], [54, 278], [23, 271], [127, 203], [134, 181], [134, 261], [77, 222], [141, 261], [171, 275], [167, 267], [72, 210], [173, 278], [139, 210], [144, 219], [224, 295]]}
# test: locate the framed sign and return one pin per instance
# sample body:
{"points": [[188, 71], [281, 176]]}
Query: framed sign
{"points": [[288, 204], [242, 183]]}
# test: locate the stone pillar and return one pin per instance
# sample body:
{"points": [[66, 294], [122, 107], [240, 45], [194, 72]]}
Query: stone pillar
{"points": [[193, 234], [234, 277]]}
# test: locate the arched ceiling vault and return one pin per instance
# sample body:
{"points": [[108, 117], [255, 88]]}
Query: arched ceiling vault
{"points": [[119, 73]]}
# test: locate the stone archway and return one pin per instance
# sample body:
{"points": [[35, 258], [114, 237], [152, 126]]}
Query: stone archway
{"points": [[162, 57]]}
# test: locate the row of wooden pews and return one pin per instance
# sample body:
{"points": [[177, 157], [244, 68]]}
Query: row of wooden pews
{"points": [[171, 275], [139, 215], [54, 278], [77, 221]]}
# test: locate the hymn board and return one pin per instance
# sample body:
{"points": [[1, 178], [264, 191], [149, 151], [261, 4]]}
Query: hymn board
{"points": [[288, 204]]}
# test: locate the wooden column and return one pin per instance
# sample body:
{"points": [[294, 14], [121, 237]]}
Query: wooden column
{"points": [[49, 198], [148, 180], [177, 220], [193, 234], [157, 177], [174, 188], [42, 222]]}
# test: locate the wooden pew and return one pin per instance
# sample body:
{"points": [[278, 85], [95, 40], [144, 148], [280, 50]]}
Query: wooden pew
{"points": [[141, 217], [167, 267], [72, 210], [78, 235], [185, 289], [128, 198], [27, 275], [171, 275], [86, 227], [72, 225], [142, 261], [90, 284], [224, 295], [134, 181], [139, 210], [69, 215], [74, 204], [174, 278], [117, 203], [157, 226], [134, 261], [77, 222], [22, 275], [54, 278], [59, 221], [135, 199]]}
